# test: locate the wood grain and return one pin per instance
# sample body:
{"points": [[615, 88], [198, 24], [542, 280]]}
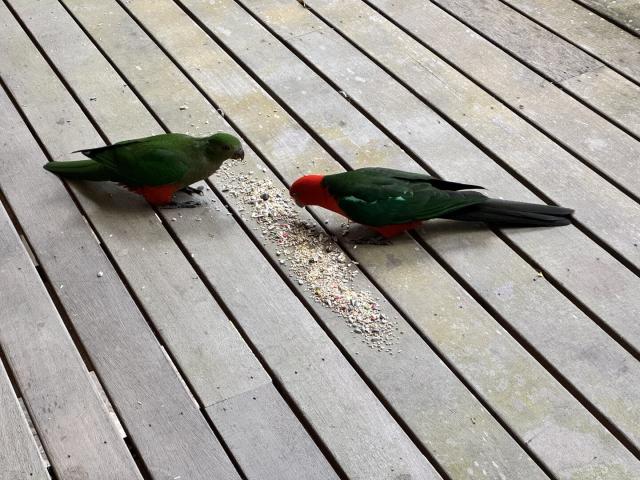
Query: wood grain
{"points": [[604, 40], [255, 421], [71, 419], [558, 115], [418, 400], [199, 63], [19, 457], [556, 58], [171, 434], [377, 426], [583, 268], [471, 256], [625, 13], [206, 345]]}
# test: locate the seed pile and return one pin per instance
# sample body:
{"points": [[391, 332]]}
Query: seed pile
{"points": [[312, 257]]}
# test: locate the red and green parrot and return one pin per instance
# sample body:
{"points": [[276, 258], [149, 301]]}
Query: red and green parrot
{"points": [[393, 201], [154, 167]]}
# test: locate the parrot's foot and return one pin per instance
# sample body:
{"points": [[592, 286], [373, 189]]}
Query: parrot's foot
{"points": [[368, 239], [192, 191], [187, 204]]}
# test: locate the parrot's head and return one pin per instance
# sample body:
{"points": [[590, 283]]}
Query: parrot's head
{"points": [[223, 146], [308, 190]]}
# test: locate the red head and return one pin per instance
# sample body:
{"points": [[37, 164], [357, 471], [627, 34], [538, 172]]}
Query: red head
{"points": [[308, 190]]}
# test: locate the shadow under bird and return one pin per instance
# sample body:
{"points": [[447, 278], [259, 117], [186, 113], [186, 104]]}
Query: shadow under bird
{"points": [[154, 167], [393, 201]]}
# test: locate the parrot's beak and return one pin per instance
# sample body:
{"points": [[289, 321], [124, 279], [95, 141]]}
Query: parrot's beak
{"points": [[238, 154]]}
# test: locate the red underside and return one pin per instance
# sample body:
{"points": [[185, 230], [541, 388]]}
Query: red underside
{"points": [[394, 230], [158, 195]]}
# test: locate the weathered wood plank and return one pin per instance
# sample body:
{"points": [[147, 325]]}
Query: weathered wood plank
{"points": [[368, 440], [19, 457], [210, 351], [207, 347], [198, 108], [561, 117], [547, 53], [171, 434], [417, 399], [217, 76], [72, 422], [458, 251], [254, 422], [625, 13], [288, 80], [585, 269], [417, 126], [604, 40]]}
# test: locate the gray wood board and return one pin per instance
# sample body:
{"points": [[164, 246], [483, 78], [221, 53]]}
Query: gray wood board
{"points": [[560, 116], [287, 81], [19, 457], [205, 344], [474, 265], [71, 419], [572, 259], [254, 421], [546, 52], [428, 135], [198, 108], [169, 431], [367, 429], [225, 86], [417, 401], [596, 140], [604, 40], [623, 12], [216, 360]]}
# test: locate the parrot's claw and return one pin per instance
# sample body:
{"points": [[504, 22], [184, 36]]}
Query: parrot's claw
{"points": [[192, 191], [187, 204], [368, 239]]}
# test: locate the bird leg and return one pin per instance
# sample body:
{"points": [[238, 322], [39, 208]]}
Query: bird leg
{"points": [[192, 190], [370, 239], [187, 204]]}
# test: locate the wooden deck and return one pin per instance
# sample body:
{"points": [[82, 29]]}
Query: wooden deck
{"points": [[199, 344]]}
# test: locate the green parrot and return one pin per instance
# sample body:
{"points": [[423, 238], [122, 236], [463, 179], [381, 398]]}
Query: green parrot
{"points": [[154, 167], [393, 201]]}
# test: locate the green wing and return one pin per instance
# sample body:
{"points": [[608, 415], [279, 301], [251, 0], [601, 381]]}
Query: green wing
{"points": [[378, 196], [157, 160]]}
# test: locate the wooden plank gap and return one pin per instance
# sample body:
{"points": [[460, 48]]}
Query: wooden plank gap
{"points": [[34, 432], [556, 32], [180, 377], [27, 247], [97, 385], [610, 15], [93, 232], [549, 76]]}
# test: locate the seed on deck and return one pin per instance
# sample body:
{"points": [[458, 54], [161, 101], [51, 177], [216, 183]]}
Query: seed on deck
{"points": [[311, 256]]}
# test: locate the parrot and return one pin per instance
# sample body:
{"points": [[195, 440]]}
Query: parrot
{"points": [[393, 201], [155, 167]]}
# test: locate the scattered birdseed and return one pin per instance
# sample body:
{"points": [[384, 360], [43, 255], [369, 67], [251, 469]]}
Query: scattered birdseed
{"points": [[312, 257], [100, 274], [184, 107]]}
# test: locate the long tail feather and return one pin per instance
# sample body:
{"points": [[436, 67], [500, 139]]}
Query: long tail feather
{"points": [[80, 170], [514, 214]]}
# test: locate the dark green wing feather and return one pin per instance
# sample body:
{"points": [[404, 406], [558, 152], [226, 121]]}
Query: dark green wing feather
{"points": [[157, 160], [378, 196], [418, 178]]}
